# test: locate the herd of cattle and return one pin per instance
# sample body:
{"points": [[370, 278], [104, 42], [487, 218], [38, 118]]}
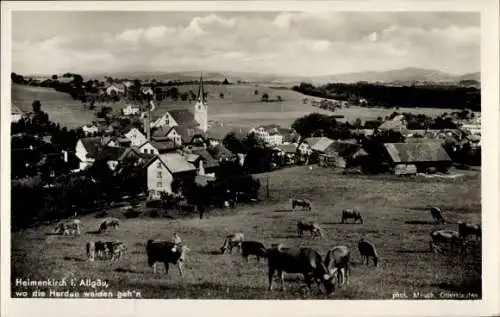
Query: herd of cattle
{"points": [[334, 270]]}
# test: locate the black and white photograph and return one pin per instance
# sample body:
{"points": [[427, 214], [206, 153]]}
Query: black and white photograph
{"points": [[225, 153]]}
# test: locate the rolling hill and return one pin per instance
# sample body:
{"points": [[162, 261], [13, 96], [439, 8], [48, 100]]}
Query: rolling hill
{"points": [[402, 76]]}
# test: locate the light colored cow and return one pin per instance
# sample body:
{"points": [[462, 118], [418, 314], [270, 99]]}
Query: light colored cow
{"points": [[231, 241]]}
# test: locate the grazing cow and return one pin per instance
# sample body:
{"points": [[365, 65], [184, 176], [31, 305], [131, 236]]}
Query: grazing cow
{"points": [[305, 261], [312, 227], [303, 203], [103, 249], [465, 229], [109, 223], [68, 227], [253, 248], [231, 241], [351, 214], [166, 252], [437, 216], [337, 262], [447, 237], [116, 250], [367, 250]]}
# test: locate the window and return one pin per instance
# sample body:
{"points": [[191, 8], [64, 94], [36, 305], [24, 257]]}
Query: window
{"points": [[159, 184], [158, 174], [158, 165]]}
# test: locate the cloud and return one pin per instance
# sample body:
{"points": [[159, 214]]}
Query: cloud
{"points": [[307, 43]]}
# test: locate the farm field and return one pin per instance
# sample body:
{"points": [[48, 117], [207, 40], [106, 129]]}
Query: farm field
{"points": [[397, 221], [60, 107], [240, 107]]}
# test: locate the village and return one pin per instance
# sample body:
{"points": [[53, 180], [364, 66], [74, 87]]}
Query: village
{"points": [[181, 145]]}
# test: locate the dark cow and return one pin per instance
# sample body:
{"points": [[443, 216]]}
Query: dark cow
{"points": [[109, 223], [303, 203], [305, 261], [312, 227], [337, 262], [166, 252], [367, 251], [447, 237], [437, 216], [253, 248], [351, 214], [231, 241], [465, 229]]}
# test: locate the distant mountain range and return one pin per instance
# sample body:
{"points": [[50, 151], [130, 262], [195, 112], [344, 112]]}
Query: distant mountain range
{"points": [[401, 76]]}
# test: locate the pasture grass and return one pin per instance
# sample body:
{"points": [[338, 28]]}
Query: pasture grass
{"points": [[240, 107], [397, 221]]}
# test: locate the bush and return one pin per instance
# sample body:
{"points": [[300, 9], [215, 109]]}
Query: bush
{"points": [[131, 213], [101, 214], [154, 213]]}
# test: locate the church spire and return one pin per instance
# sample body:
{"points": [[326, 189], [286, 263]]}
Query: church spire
{"points": [[201, 91]]}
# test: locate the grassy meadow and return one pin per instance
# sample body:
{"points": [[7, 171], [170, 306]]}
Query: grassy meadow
{"points": [[240, 106], [397, 221]]}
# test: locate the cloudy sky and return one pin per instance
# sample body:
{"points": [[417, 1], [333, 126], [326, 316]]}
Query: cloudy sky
{"points": [[298, 43]]}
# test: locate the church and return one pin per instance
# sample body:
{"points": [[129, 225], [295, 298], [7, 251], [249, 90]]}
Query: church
{"points": [[180, 125]]}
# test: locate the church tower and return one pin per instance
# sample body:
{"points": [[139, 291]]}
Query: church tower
{"points": [[200, 108]]}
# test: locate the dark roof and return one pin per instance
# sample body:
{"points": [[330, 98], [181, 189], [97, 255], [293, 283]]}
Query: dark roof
{"points": [[343, 148], [187, 132], [161, 131], [221, 152], [164, 145], [92, 145], [183, 117], [287, 148], [209, 160], [112, 153], [416, 152]]}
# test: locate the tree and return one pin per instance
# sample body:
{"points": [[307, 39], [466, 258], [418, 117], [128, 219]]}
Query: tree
{"points": [[184, 96], [265, 97], [256, 92], [37, 106], [279, 98], [221, 95], [54, 77], [225, 82]]}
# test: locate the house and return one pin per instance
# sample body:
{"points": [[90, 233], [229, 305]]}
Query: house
{"points": [[314, 144], [113, 141], [423, 155], [130, 110], [136, 137], [471, 128], [269, 134], [339, 153], [286, 153], [158, 146], [204, 161], [147, 91], [181, 134], [86, 151], [166, 172], [90, 129], [175, 117], [397, 124], [221, 153], [115, 89], [15, 114]]}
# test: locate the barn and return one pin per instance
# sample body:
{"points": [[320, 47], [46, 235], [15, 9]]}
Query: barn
{"points": [[423, 155]]}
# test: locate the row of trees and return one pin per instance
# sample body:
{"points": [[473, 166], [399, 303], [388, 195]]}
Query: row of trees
{"points": [[376, 95]]}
